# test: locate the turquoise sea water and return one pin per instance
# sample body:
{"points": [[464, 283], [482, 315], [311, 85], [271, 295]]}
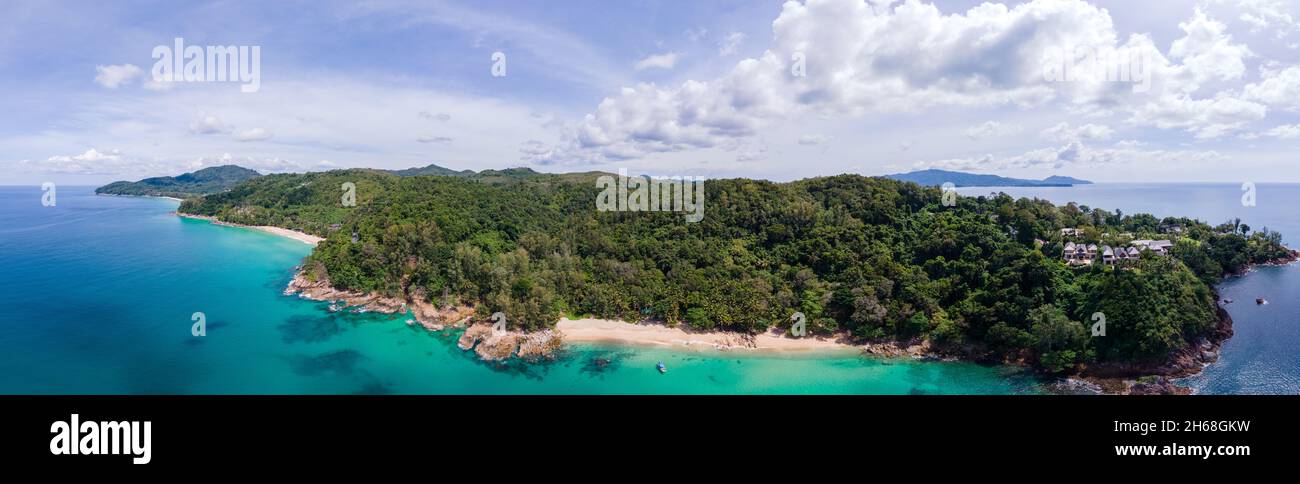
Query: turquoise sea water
{"points": [[98, 293], [1263, 356]]}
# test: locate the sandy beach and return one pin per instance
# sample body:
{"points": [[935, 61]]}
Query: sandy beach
{"points": [[600, 330], [292, 234]]}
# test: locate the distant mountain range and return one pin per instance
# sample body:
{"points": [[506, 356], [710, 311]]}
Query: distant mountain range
{"points": [[432, 170], [939, 177], [218, 179], [202, 182], [222, 178]]}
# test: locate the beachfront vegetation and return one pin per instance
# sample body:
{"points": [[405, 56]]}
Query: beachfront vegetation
{"points": [[871, 257]]}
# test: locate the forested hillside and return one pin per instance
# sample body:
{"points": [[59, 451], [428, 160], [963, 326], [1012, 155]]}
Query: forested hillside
{"points": [[208, 180], [878, 258]]}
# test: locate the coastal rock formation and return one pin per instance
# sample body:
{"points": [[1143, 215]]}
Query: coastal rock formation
{"points": [[473, 335], [498, 347], [1156, 377], [540, 345], [490, 345], [322, 290], [433, 318], [424, 312], [1156, 385], [479, 337], [1184, 362], [899, 349], [1075, 386]]}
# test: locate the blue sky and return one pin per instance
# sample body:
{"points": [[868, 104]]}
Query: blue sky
{"points": [[659, 87]]}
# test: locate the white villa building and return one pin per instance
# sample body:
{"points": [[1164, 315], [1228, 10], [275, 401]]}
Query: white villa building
{"points": [[1081, 254]]}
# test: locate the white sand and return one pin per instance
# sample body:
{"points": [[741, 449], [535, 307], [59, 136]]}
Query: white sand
{"points": [[603, 330], [292, 234]]}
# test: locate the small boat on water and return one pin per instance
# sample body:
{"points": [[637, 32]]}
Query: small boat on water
{"points": [[1261, 301], [661, 367]]}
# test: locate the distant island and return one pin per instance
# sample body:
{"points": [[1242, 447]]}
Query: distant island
{"points": [[202, 182], [940, 177]]}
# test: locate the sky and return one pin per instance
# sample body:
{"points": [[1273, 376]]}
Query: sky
{"points": [[1110, 91]]}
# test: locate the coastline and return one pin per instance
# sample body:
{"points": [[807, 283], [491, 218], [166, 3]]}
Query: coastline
{"points": [[303, 237], [1159, 376], [493, 347], [590, 330], [1129, 378], [1140, 377], [174, 199]]}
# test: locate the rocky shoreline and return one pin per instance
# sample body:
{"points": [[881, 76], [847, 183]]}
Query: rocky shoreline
{"points": [[489, 345], [1153, 377], [1157, 377], [492, 345]]}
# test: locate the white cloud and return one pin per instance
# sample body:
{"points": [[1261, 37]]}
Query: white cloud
{"points": [[813, 139], [695, 35], [1063, 132], [730, 44], [1203, 118], [1262, 14], [90, 162], [1286, 131], [433, 139], [873, 59], [1208, 55], [350, 122], [753, 152], [91, 155], [991, 129], [254, 134], [1207, 51], [114, 76], [658, 61], [443, 117], [878, 73], [207, 124], [1278, 88]]}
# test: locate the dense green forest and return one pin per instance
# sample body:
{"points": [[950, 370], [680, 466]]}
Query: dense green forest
{"points": [[878, 258]]}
